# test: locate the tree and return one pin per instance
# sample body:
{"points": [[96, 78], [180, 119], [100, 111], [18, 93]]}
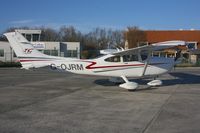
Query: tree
{"points": [[49, 34], [103, 38], [98, 38], [118, 38], [134, 36], [12, 29], [69, 34]]}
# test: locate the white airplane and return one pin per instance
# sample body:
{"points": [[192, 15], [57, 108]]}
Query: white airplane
{"points": [[124, 64]]}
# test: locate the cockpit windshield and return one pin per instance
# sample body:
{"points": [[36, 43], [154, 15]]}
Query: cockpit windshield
{"points": [[129, 58], [113, 59]]}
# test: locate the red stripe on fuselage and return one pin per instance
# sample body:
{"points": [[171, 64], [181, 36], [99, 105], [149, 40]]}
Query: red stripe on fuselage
{"points": [[91, 66]]}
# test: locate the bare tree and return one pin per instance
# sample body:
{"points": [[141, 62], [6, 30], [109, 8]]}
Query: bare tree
{"points": [[99, 38], [49, 34], [134, 36], [103, 38], [69, 34], [12, 29], [118, 38]]}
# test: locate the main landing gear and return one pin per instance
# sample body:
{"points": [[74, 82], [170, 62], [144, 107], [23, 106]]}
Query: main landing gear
{"points": [[155, 82], [133, 85], [128, 85]]}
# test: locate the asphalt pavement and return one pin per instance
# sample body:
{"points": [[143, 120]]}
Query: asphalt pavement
{"points": [[44, 101]]}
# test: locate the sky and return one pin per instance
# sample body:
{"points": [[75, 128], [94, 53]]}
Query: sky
{"points": [[86, 15]]}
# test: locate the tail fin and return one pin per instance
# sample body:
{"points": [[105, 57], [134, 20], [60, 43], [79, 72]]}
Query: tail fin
{"points": [[28, 56], [21, 46]]}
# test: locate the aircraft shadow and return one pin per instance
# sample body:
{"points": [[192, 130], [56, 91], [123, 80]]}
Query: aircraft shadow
{"points": [[178, 78], [182, 78]]}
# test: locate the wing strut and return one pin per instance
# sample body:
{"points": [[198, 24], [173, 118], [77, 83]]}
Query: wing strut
{"points": [[146, 62]]}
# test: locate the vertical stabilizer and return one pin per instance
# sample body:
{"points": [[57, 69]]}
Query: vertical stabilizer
{"points": [[21, 46], [28, 56]]}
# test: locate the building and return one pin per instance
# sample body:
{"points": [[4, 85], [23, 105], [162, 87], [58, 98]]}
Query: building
{"points": [[191, 37], [63, 49], [30, 35]]}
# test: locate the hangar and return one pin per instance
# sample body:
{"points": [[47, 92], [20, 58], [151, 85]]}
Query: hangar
{"points": [[63, 49], [191, 37], [191, 53]]}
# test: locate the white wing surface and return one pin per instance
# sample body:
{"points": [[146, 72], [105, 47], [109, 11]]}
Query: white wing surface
{"points": [[152, 47]]}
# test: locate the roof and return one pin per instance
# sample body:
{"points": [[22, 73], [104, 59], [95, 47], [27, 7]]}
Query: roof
{"points": [[184, 35], [28, 31]]}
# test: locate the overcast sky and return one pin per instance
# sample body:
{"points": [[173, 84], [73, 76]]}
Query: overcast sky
{"points": [[88, 14]]}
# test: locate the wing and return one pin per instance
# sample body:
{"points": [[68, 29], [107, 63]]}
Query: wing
{"points": [[152, 47]]}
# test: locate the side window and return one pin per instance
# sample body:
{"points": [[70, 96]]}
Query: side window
{"points": [[113, 59], [191, 45], [128, 58], [144, 55], [1, 53], [14, 55]]}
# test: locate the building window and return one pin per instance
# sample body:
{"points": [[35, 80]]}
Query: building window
{"points": [[28, 37], [36, 37], [71, 53], [162, 54], [1, 53], [47, 52], [156, 54], [51, 52], [54, 52], [192, 45]]}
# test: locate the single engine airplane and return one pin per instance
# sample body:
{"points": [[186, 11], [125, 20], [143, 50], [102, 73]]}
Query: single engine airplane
{"points": [[123, 64]]}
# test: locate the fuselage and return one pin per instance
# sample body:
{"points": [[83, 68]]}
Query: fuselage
{"points": [[108, 66]]}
